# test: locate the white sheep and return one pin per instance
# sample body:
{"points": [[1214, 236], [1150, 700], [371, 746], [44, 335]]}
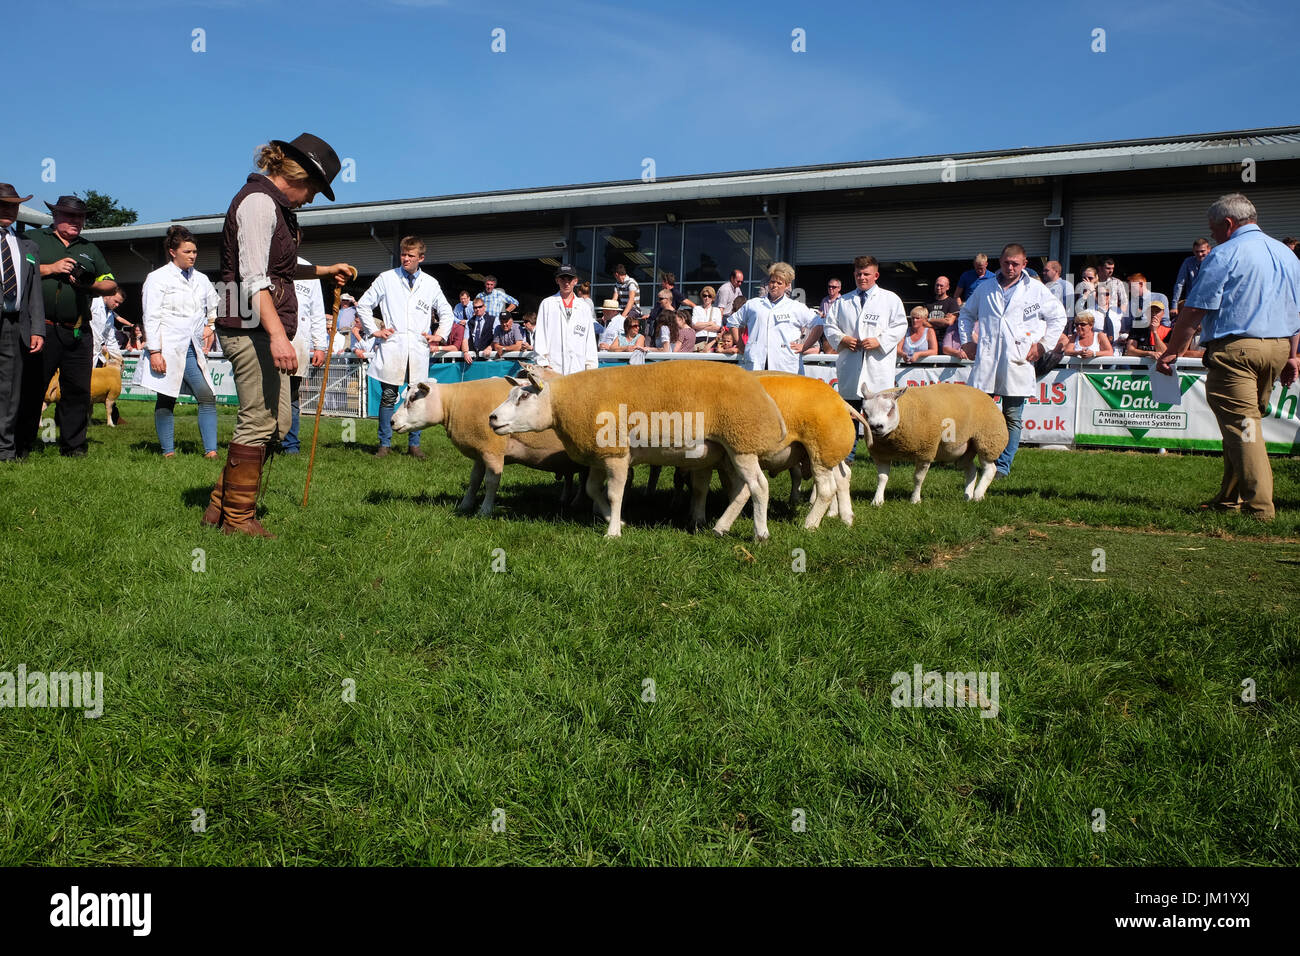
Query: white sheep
{"points": [[946, 421], [462, 408], [669, 413]]}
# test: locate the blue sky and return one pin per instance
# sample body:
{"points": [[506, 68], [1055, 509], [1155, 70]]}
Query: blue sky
{"points": [[411, 91]]}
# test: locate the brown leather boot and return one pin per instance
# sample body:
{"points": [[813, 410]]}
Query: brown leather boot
{"points": [[213, 515], [242, 479]]}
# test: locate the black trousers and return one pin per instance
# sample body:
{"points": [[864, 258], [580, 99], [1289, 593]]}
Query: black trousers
{"points": [[71, 355], [11, 380]]}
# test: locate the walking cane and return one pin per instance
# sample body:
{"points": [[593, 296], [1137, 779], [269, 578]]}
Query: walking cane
{"points": [[320, 399]]}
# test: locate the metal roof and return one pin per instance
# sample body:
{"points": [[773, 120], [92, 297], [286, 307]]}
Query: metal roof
{"points": [[1279, 143], [34, 217]]}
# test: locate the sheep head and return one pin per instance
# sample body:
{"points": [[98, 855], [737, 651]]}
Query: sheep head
{"points": [[528, 406], [881, 410], [420, 408]]}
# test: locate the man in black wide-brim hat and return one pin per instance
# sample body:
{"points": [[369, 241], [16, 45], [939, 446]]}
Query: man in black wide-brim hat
{"points": [[258, 314], [73, 274]]}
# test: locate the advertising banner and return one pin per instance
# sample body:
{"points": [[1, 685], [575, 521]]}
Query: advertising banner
{"points": [[1116, 408], [220, 377]]}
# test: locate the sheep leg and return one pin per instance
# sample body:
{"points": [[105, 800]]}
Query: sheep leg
{"points": [[843, 504], [882, 479], [617, 469], [756, 483], [700, 479], [796, 479], [475, 479], [922, 469], [108, 411], [596, 490], [824, 484], [986, 479], [493, 469], [968, 492]]}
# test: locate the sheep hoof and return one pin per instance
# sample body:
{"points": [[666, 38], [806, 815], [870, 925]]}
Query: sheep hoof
{"points": [[877, 501], [916, 501], [717, 533]]}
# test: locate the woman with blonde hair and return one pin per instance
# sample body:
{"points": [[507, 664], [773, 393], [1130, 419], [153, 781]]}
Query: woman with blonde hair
{"points": [[257, 314]]}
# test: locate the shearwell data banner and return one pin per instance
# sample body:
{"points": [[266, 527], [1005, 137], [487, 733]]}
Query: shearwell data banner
{"points": [[1117, 408]]}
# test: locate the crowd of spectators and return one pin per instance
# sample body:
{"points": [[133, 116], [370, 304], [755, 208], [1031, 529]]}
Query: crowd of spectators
{"points": [[1107, 316]]}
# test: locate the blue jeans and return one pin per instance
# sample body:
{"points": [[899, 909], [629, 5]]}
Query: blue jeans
{"points": [[388, 405], [290, 445], [853, 452], [196, 383], [1013, 411]]}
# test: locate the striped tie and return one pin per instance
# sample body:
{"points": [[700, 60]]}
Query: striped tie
{"points": [[10, 275]]}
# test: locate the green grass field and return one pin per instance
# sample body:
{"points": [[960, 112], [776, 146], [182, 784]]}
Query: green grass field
{"points": [[522, 698]]}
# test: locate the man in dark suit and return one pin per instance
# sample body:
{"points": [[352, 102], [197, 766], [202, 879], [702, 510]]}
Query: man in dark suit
{"points": [[22, 316]]}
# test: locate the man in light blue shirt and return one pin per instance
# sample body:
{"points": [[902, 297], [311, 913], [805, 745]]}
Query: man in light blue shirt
{"points": [[1247, 302], [497, 300]]}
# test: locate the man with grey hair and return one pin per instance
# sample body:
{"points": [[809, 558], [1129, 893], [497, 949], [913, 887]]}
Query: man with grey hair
{"points": [[1247, 302]]}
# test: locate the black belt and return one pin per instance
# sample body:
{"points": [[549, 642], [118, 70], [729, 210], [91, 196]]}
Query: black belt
{"points": [[66, 325], [9, 315]]}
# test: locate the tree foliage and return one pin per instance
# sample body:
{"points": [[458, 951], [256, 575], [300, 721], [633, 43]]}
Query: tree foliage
{"points": [[103, 211]]}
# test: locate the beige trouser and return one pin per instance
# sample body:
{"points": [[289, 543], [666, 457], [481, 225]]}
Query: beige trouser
{"points": [[1240, 379], [265, 412]]}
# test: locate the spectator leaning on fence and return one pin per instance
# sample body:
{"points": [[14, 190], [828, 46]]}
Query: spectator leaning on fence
{"points": [[919, 342], [497, 300], [777, 326], [706, 319], [309, 341], [627, 339], [1147, 337], [1086, 341], [610, 322], [1188, 271], [1021, 321], [865, 328], [478, 332], [507, 338], [1247, 300], [951, 345], [565, 338], [725, 343], [407, 297], [179, 313]]}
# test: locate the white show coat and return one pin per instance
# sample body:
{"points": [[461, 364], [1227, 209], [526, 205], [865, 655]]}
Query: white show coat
{"points": [[404, 355], [311, 321], [104, 328], [176, 310], [566, 345], [774, 327], [1007, 332], [880, 317]]}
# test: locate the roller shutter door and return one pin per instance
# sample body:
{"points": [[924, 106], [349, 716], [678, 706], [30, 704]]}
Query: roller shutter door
{"points": [[1168, 222], [902, 233], [491, 246]]}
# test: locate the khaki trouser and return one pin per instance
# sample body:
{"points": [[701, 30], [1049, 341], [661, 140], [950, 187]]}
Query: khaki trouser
{"points": [[1240, 379], [265, 410]]}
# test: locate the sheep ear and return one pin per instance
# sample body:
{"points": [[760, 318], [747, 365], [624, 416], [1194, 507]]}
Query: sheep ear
{"points": [[423, 389], [898, 392], [866, 393], [536, 379], [516, 381]]}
